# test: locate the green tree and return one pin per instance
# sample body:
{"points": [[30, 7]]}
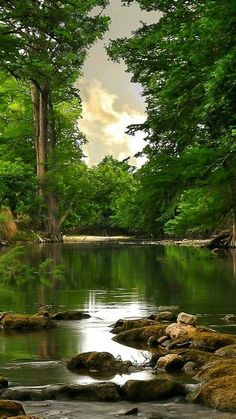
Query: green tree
{"points": [[44, 43], [186, 64]]}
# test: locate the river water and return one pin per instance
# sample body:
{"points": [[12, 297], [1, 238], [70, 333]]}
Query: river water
{"points": [[109, 282]]}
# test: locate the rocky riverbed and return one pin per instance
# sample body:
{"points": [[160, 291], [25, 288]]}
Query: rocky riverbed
{"points": [[193, 369]]}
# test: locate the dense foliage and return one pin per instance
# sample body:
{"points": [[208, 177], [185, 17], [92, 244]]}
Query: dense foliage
{"points": [[186, 64]]}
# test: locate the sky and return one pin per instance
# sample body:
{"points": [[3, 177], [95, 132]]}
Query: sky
{"points": [[110, 101]]}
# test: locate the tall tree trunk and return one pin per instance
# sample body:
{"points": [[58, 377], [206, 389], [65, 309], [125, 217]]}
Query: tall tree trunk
{"points": [[45, 146], [53, 222]]}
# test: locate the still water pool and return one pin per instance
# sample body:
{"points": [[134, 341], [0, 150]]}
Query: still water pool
{"points": [[109, 282]]}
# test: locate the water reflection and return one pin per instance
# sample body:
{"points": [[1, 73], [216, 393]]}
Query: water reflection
{"points": [[110, 283]]}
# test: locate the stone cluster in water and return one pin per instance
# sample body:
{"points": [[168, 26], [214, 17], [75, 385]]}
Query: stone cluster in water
{"points": [[176, 344]]}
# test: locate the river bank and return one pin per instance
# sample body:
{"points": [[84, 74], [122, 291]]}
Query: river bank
{"points": [[134, 239]]}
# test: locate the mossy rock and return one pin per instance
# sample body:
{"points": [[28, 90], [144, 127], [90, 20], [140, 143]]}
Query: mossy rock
{"points": [[219, 393], [197, 356], [10, 408], [197, 337], [221, 368], [123, 325], [156, 389], [98, 361], [138, 337], [229, 351], [24, 322]]}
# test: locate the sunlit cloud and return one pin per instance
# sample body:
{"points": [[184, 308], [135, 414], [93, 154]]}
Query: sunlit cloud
{"points": [[105, 125]]}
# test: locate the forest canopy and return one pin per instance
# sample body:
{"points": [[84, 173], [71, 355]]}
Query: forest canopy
{"points": [[185, 63]]}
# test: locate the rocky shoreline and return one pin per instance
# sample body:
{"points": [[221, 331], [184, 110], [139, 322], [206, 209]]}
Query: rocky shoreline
{"points": [[176, 344]]}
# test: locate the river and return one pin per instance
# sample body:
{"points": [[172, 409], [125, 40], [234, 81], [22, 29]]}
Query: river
{"points": [[109, 281]]}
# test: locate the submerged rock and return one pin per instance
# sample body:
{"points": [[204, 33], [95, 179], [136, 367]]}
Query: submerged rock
{"points": [[98, 361], [24, 322], [230, 318], [70, 315], [157, 389], [9, 408]]}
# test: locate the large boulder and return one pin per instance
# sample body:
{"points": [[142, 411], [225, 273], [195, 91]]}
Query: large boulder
{"points": [[139, 337], [70, 315], [10, 408], [98, 361], [156, 389], [24, 322], [219, 393]]}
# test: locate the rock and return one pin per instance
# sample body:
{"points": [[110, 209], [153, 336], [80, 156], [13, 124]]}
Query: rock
{"points": [[219, 393], [123, 325], [133, 411], [138, 337], [179, 330], [101, 392], [173, 309], [170, 362], [23, 322], [10, 408], [105, 391], [197, 337], [3, 382], [98, 361], [22, 393], [25, 417], [162, 339], [168, 316], [230, 318], [157, 389], [69, 315], [198, 357], [221, 368], [190, 367], [187, 318], [228, 351]]}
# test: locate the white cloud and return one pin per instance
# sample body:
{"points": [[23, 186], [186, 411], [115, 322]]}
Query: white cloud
{"points": [[105, 125]]}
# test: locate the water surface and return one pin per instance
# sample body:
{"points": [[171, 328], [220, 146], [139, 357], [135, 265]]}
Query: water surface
{"points": [[109, 282]]}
